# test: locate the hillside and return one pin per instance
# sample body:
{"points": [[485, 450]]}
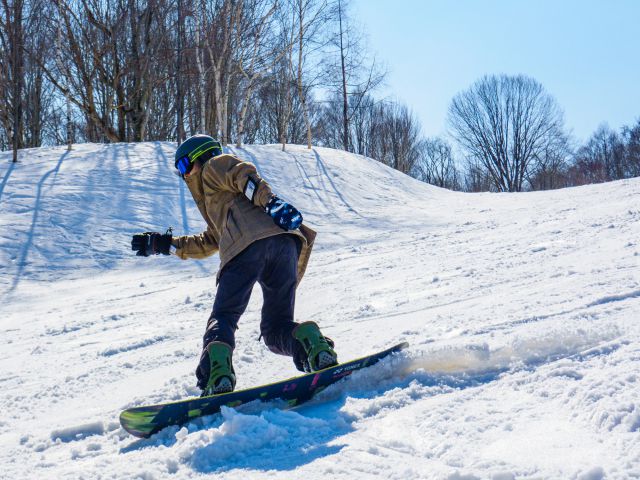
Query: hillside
{"points": [[521, 311]]}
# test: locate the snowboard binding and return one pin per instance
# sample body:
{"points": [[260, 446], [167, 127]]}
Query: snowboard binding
{"points": [[222, 378], [319, 350]]}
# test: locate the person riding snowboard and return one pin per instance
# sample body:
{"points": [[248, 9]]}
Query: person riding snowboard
{"points": [[260, 239]]}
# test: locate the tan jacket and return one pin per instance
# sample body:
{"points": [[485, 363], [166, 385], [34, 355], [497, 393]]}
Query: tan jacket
{"points": [[233, 221]]}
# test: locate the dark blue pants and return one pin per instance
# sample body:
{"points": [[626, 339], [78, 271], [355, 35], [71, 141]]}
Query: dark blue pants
{"points": [[273, 264]]}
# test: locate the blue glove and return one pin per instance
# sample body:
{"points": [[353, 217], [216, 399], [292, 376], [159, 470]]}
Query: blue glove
{"points": [[285, 215]]}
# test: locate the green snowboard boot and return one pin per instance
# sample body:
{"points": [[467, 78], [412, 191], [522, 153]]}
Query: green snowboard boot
{"points": [[320, 353], [222, 378]]}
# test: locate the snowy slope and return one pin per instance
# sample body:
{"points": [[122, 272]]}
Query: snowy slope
{"points": [[521, 311]]}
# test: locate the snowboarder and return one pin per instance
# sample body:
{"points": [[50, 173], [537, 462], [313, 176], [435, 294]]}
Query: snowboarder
{"points": [[260, 239]]}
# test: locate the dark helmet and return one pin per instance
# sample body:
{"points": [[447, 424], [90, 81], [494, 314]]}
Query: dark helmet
{"points": [[199, 147]]}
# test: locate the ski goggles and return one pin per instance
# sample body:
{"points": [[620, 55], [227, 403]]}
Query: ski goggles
{"points": [[184, 165]]}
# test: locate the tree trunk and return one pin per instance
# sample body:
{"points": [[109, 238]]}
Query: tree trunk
{"points": [[301, 93], [202, 81], [243, 114], [69, 124], [16, 74], [345, 100], [179, 94]]}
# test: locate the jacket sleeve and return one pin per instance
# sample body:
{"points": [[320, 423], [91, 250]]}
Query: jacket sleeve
{"points": [[228, 173], [195, 246]]}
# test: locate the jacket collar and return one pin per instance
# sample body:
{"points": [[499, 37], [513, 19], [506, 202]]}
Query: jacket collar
{"points": [[194, 184]]}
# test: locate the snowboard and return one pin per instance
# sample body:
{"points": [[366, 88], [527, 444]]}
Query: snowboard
{"points": [[146, 420]]}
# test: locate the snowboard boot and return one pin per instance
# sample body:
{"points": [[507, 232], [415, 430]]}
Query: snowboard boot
{"points": [[319, 351], [222, 378]]}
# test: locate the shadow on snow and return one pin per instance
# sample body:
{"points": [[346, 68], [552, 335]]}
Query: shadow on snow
{"points": [[24, 254]]}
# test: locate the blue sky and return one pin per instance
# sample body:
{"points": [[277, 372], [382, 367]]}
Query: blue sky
{"points": [[586, 53]]}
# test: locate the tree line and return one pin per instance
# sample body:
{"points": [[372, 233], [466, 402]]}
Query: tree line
{"points": [[512, 135], [136, 70], [271, 71], [505, 134]]}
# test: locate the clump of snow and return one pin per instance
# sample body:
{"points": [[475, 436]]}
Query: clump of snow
{"points": [[241, 441]]}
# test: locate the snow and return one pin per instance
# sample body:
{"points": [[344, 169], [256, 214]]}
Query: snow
{"points": [[521, 311]]}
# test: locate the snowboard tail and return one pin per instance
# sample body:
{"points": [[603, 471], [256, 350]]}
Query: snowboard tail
{"points": [[147, 420]]}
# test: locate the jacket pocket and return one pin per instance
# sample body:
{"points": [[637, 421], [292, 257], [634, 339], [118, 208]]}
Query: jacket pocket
{"points": [[231, 228]]}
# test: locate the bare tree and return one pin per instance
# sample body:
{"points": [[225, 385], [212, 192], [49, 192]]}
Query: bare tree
{"points": [[147, 31], [109, 63], [506, 123], [180, 38], [312, 18], [402, 130], [258, 54], [601, 159], [221, 40], [477, 178], [550, 168], [342, 32], [631, 138], [283, 79], [135, 70], [436, 165], [37, 96], [81, 72], [13, 42], [363, 124], [395, 137], [349, 71]]}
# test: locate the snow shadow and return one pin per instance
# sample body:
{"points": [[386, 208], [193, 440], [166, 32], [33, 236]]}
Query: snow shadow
{"points": [[24, 254], [245, 152], [5, 179], [324, 173]]}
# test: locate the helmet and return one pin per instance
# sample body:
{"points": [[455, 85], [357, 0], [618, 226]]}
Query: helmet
{"points": [[198, 147]]}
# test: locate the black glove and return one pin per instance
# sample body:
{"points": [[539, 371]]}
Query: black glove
{"points": [[284, 215], [151, 243]]}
